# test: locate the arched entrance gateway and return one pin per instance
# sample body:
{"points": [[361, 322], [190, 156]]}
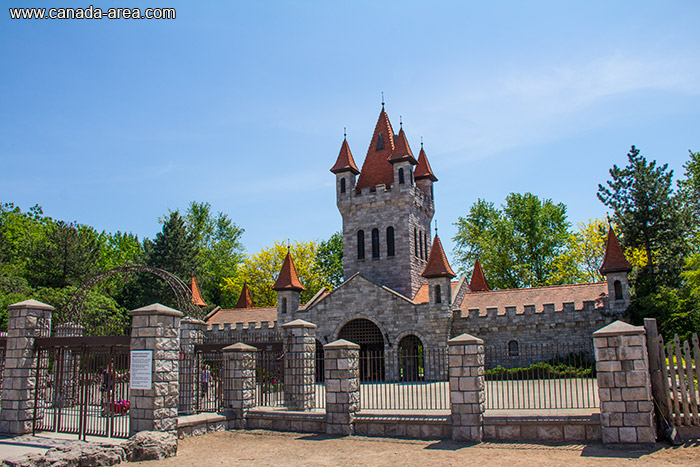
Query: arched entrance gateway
{"points": [[368, 336], [411, 361]]}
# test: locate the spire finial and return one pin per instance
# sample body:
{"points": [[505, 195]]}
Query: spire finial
{"points": [[382, 100], [421, 142], [345, 133], [436, 228], [400, 121], [289, 246]]}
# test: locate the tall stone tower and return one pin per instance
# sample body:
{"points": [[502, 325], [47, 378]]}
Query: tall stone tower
{"points": [[387, 211]]}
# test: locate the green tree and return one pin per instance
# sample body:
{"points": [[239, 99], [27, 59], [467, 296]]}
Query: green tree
{"points": [[583, 255], [517, 244], [260, 271], [66, 255], [689, 191], [649, 216], [19, 232], [218, 240], [329, 259]]}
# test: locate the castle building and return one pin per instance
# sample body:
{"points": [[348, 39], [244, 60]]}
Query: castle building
{"points": [[400, 291]]}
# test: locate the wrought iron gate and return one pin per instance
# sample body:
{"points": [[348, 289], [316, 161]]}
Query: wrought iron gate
{"points": [[82, 386]]}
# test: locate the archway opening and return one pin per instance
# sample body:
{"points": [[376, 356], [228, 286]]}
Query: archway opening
{"points": [[411, 359], [368, 336]]}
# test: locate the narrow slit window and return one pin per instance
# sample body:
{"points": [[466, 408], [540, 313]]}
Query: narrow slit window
{"points": [[438, 296], [375, 243], [618, 290], [402, 179], [342, 185], [361, 244], [390, 241], [415, 242]]}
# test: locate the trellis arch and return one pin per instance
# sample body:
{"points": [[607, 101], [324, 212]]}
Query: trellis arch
{"points": [[182, 292]]}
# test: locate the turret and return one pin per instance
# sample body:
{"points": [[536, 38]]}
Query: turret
{"points": [[244, 300], [616, 270], [196, 294], [345, 171], [439, 275], [478, 282], [403, 161], [288, 288], [424, 174]]}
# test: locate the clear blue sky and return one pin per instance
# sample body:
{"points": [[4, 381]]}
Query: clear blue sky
{"points": [[243, 104]]}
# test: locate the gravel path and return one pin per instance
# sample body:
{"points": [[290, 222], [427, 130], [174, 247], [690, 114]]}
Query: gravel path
{"points": [[266, 448]]}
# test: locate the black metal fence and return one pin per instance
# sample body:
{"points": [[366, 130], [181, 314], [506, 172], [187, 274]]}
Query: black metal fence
{"points": [[82, 389], [416, 380], [541, 376], [269, 378]]}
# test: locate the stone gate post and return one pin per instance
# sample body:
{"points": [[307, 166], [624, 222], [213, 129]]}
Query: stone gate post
{"points": [[239, 381], [467, 395], [156, 328], [624, 386], [299, 365], [342, 377], [191, 333], [26, 321]]}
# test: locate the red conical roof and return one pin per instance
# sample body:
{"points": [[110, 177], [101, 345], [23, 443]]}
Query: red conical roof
{"points": [[245, 300], [196, 295], [478, 282], [345, 162], [423, 169], [437, 262], [402, 151], [376, 169], [614, 260], [288, 278]]}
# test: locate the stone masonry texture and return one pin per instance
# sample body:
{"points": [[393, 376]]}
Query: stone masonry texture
{"points": [[624, 387], [467, 395], [157, 328], [299, 365], [342, 377]]}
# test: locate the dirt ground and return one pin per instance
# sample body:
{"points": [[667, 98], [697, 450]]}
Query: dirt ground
{"points": [[266, 448]]}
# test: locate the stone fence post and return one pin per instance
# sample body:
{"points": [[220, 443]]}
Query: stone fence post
{"points": [[26, 321], [156, 328], [342, 377], [191, 333], [299, 365], [467, 395], [239, 381], [626, 404]]}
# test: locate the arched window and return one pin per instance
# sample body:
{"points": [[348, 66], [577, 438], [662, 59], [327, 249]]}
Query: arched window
{"points": [[360, 244], [438, 295], [420, 241], [415, 241], [618, 290], [402, 179], [513, 348], [380, 142], [390, 241], [284, 305], [410, 175], [375, 243], [342, 185]]}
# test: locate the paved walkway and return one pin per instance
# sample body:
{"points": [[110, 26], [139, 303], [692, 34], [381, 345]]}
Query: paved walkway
{"points": [[40, 443]]}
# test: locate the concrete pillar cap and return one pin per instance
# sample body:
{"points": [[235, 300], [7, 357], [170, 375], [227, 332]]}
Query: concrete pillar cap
{"points": [[156, 309], [240, 347], [299, 323], [619, 328], [465, 339], [30, 304], [341, 344]]}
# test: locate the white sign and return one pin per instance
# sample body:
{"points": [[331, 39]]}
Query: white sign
{"points": [[141, 369]]}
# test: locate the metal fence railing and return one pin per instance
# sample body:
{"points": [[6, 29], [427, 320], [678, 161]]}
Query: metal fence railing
{"points": [[541, 376], [404, 381], [269, 379]]}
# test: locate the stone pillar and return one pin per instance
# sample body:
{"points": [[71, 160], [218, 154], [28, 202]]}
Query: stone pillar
{"points": [[624, 387], [191, 333], [26, 321], [156, 328], [342, 377], [239, 381], [299, 365], [467, 395]]}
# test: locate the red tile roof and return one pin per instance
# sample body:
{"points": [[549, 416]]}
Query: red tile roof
{"points": [[402, 151], [555, 295], [614, 260], [244, 315], [196, 295], [376, 169], [288, 278], [245, 300], [345, 162], [423, 169], [478, 282], [437, 262]]}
